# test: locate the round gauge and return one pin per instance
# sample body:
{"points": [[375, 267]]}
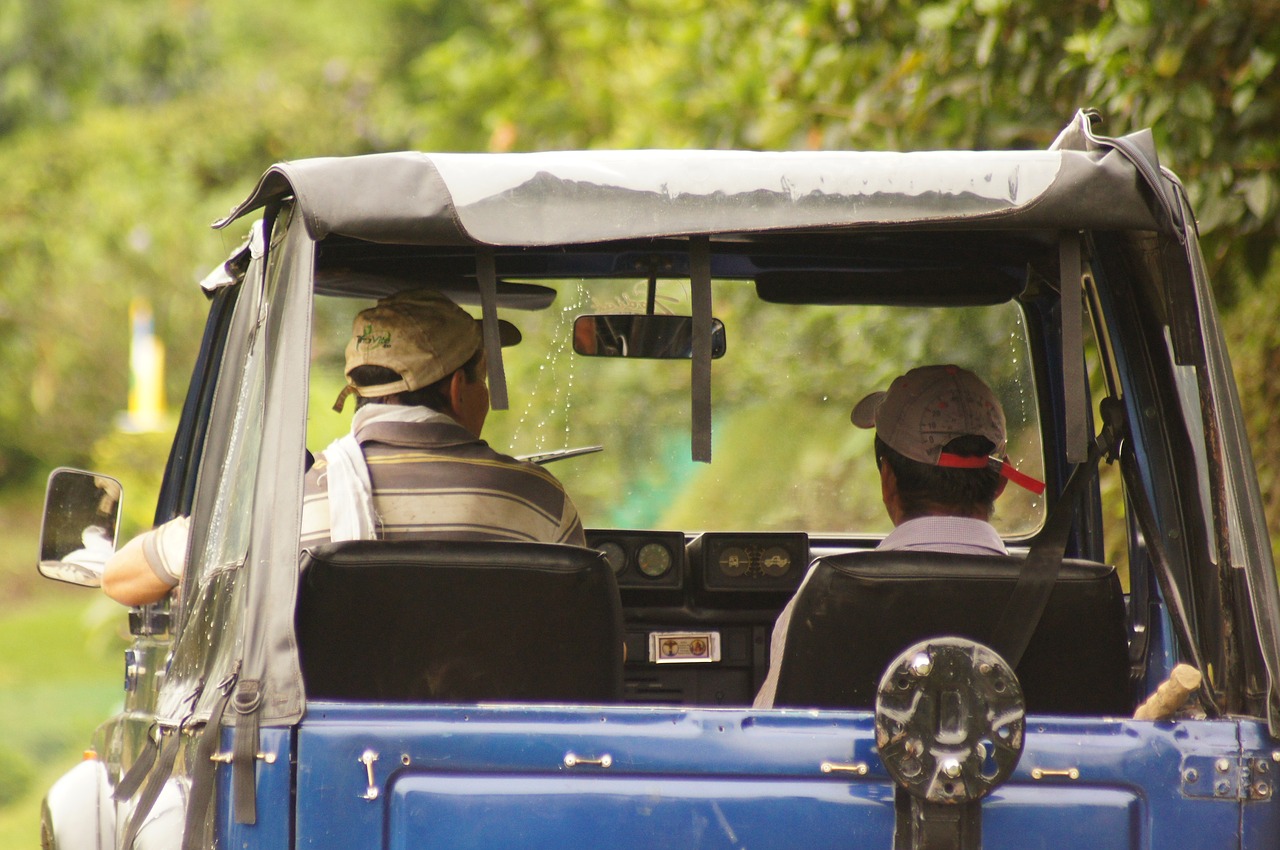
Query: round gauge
{"points": [[654, 559], [615, 555], [775, 560], [734, 560]]}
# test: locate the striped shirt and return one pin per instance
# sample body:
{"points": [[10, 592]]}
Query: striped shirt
{"points": [[957, 535], [434, 479]]}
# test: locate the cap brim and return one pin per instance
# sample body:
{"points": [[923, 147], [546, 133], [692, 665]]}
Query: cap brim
{"points": [[508, 333], [864, 412]]}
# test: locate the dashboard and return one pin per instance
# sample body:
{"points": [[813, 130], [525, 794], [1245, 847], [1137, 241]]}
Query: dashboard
{"points": [[699, 609], [712, 562]]}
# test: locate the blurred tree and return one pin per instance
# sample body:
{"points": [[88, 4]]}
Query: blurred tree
{"points": [[126, 127], [58, 57], [864, 74]]}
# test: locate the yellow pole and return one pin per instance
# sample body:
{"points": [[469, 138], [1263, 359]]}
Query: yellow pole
{"points": [[146, 371]]}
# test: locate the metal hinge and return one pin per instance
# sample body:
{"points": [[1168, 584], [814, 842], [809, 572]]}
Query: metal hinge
{"points": [[1235, 778]]}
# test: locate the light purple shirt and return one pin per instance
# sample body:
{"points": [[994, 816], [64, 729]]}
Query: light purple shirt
{"points": [[957, 535]]}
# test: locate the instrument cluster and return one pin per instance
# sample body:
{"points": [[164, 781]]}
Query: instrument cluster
{"points": [[711, 561]]}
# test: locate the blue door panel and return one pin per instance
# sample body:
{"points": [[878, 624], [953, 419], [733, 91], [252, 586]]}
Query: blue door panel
{"points": [[454, 777], [1023, 818], [632, 813], [273, 827]]}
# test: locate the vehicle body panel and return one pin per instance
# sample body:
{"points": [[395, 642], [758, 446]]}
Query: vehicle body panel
{"points": [[476, 776]]}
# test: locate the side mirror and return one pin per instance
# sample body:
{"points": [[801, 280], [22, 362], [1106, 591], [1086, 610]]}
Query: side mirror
{"points": [[641, 335], [78, 532]]}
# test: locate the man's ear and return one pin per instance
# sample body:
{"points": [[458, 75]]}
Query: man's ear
{"points": [[1000, 487], [888, 483], [457, 383]]}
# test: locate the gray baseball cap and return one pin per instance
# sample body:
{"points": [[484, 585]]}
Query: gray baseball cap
{"points": [[929, 407], [421, 335]]}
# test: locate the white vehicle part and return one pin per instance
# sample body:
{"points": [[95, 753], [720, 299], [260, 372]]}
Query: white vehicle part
{"points": [[78, 813]]}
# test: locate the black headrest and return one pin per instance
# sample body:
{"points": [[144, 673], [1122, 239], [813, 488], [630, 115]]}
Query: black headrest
{"points": [[858, 611], [459, 622]]}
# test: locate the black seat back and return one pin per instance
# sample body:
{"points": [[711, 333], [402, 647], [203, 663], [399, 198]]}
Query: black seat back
{"points": [[459, 622], [858, 611]]}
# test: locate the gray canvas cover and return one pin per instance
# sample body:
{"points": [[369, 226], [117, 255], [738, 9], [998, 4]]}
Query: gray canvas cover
{"points": [[1083, 182]]}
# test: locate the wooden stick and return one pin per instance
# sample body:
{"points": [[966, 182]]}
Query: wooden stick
{"points": [[1171, 695]]}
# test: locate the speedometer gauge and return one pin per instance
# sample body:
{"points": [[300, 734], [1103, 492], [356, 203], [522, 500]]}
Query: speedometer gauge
{"points": [[775, 560], [734, 560], [654, 559], [615, 555]]}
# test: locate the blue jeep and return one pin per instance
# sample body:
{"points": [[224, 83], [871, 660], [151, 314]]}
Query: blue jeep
{"points": [[479, 695]]}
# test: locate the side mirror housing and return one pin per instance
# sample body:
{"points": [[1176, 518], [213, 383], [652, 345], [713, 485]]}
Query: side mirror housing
{"points": [[78, 531]]}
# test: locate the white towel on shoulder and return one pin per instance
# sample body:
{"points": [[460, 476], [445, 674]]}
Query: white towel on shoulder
{"points": [[351, 512]]}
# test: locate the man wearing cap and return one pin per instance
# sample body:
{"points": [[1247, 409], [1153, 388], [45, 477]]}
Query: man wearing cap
{"points": [[939, 448], [413, 465]]}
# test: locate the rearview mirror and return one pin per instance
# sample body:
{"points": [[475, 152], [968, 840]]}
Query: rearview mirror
{"points": [[641, 335], [78, 533]]}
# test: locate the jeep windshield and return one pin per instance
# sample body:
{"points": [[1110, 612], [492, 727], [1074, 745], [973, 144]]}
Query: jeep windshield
{"points": [[784, 364]]}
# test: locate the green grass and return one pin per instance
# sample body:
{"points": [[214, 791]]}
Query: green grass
{"points": [[61, 670]]}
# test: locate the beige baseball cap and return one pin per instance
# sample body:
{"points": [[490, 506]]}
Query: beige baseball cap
{"points": [[420, 335], [929, 407]]}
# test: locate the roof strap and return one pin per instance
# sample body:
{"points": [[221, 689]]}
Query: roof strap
{"points": [[1075, 405], [700, 279], [487, 278]]}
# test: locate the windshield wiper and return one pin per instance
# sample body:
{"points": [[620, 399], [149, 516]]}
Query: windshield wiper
{"points": [[559, 454]]}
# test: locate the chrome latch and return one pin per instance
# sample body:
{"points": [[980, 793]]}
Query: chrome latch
{"points": [[573, 760], [858, 768], [367, 758], [226, 758]]}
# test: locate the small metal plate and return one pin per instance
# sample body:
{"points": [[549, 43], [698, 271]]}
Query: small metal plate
{"points": [[684, 647]]}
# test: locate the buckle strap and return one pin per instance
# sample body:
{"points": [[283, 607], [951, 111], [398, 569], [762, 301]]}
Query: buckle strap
{"points": [[244, 759], [170, 742], [156, 765], [203, 773], [132, 780]]}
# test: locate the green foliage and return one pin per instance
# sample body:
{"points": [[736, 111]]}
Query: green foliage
{"points": [[137, 460], [1253, 334], [126, 128], [874, 74], [60, 679]]}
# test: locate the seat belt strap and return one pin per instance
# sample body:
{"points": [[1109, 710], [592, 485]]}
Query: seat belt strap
{"points": [[1039, 572]]}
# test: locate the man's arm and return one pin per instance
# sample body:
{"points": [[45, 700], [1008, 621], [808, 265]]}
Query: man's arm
{"points": [[149, 566]]}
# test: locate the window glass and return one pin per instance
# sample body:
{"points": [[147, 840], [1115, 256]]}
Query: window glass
{"points": [[227, 540], [785, 455]]}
